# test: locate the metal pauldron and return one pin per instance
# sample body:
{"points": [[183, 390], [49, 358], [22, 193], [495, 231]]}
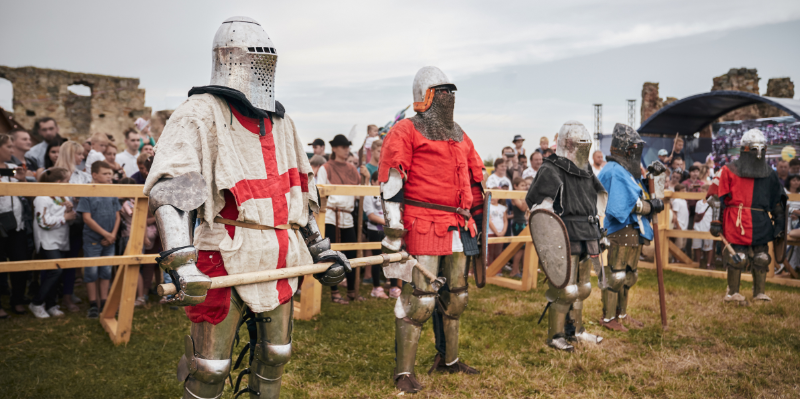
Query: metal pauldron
{"points": [[186, 192]]}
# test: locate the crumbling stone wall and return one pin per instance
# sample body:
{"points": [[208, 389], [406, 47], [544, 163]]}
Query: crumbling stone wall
{"points": [[113, 106], [743, 80], [651, 102], [776, 87]]}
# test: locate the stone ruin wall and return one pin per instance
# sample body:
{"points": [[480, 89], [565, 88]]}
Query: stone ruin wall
{"points": [[115, 103], [741, 79]]}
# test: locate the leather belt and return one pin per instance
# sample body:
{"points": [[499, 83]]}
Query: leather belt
{"points": [[458, 210], [251, 225], [590, 219]]}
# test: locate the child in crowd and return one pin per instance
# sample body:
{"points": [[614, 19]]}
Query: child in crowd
{"points": [[372, 136], [51, 237], [99, 143], [111, 159], [498, 223], [702, 223], [680, 215], [518, 214], [101, 222], [375, 222], [142, 162]]}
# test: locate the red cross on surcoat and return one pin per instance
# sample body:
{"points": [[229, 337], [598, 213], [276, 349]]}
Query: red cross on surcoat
{"points": [[274, 187]]}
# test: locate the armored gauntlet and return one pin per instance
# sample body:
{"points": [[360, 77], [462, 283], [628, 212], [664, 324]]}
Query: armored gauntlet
{"points": [[320, 250]]}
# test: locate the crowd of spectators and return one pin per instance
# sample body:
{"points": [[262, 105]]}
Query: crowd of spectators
{"points": [[53, 227]]}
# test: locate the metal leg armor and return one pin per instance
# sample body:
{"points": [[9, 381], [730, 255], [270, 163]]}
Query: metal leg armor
{"points": [[618, 274], [272, 352], [735, 272], [207, 361], [413, 308], [584, 290], [561, 301], [761, 261], [453, 300], [631, 277]]}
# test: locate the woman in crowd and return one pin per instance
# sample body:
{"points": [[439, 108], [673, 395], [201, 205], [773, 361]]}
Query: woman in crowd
{"points": [[51, 236], [53, 149], [499, 175], [13, 236], [70, 157], [339, 224], [793, 207], [498, 224], [111, 158]]}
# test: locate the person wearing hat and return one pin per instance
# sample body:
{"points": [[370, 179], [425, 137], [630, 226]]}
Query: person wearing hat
{"points": [[339, 216], [318, 146], [663, 156], [518, 149]]}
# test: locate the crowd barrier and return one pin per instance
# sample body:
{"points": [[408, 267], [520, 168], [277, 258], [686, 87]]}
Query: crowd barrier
{"points": [[123, 290]]}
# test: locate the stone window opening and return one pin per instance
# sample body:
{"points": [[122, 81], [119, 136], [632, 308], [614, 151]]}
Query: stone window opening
{"points": [[80, 89], [6, 95]]}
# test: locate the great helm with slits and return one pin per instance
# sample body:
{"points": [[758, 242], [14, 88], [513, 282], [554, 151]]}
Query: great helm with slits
{"points": [[752, 161], [426, 80], [574, 143], [626, 148], [244, 58]]}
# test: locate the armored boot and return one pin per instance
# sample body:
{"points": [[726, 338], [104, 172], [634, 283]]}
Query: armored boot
{"points": [[759, 285], [407, 334], [580, 332], [622, 314], [556, 318], [734, 280], [272, 352], [610, 312]]}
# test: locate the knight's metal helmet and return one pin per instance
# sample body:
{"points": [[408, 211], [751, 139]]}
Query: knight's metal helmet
{"points": [[627, 147], [574, 143], [426, 80], [244, 58], [754, 142]]}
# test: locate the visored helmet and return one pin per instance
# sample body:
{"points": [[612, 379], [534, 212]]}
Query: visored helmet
{"points": [[627, 147], [574, 143], [244, 58]]}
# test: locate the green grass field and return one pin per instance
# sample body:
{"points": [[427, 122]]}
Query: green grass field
{"points": [[711, 350]]}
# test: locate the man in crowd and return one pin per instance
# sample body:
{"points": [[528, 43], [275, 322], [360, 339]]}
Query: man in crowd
{"points": [[628, 215], [316, 162], [127, 157], [22, 144], [782, 168], [48, 129], [678, 165], [794, 166], [564, 185], [598, 161], [536, 163], [232, 153], [748, 208], [318, 146], [513, 169], [430, 217], [523, 162]]}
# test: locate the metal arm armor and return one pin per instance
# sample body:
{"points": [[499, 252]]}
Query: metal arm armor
{"points": [[717, 211], [391, 200], [320, 249]]}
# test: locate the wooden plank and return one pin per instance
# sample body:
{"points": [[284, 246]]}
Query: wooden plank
{"points": [[684, 195], [503, 259], [310, 299], [348, 190], [356, 246], [127, 300], [323, 205], [504, 282], [71, 190], [530, 268], [772, 264], [690, 234], [718, 274], [510, 239], [39, 265], [678, 253], [508, 194]]}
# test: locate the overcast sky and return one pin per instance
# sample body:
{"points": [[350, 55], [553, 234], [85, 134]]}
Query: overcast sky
{"points": [[521, 67]]}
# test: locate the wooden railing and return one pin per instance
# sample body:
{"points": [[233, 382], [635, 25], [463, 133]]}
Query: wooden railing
{"points": [[122, 294], [686, 264]]}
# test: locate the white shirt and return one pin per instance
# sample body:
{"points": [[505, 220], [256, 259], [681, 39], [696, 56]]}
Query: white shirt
{"points": [[705, 224], [497, 216], [596, 170], [93, 157], [682, 210], [372, 205], [50, 230], [494, 181], [529, 173], [128, 162], [12, 203], [346, 204]]}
